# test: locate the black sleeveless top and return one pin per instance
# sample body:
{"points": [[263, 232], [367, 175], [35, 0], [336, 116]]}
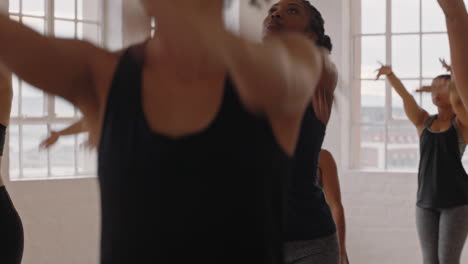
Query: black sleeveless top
{"points": [[211, 197], [442, 180], [308, 215]]}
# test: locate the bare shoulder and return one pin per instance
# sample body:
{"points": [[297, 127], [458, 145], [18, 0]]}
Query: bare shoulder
{"points": [[326, 158]]}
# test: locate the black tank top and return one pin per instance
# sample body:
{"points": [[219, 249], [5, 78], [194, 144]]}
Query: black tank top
{"points": [[442, 180], [210, 197], [308, 215]]}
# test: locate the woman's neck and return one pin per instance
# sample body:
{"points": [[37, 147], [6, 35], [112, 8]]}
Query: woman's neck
{"points": [[187, 63], [446, 113]]}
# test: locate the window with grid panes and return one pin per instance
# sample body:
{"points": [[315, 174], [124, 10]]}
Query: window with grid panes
{"points": [[411, 36], [34, 113]]}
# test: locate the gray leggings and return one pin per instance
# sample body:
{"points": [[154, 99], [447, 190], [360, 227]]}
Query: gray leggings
{"points": [[319, 251], [442, 234]]}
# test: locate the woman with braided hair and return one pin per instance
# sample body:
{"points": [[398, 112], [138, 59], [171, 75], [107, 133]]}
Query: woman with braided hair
{"points": [[310, 229], [195, 130]]}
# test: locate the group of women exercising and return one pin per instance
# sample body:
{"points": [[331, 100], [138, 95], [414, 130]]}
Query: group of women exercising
{"points": [[210, 146]]}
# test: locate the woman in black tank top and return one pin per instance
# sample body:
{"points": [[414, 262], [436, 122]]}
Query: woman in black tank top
{"points": [[195, 130], [309, 222], [11, 228], [442, 197]]}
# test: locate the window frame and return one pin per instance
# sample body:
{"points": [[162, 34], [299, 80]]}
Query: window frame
{"points": [[50, 117], [355, 123]]}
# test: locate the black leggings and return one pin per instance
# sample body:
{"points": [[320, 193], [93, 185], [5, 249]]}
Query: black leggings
{"points": [[11, 231]]}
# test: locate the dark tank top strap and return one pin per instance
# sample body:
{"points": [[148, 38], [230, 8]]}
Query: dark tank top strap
{"points": [[124, 95]]}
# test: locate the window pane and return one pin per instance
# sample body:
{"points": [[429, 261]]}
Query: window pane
{"points": [[465, 161], [62, 154], [35, 23], [427, 100], [89, 32], [14, 151], [32, 101], [405, 56], [15, 105], [87, 159], [89, 10], [432, 17], [405, 16], [435, 46], [64, 29], [65, 8], [15, 18], [13, 6], [403, 148], [372, 101], [372, 51], [63, 108], [34, 161], [398, 111], [372, 147], [33, 7], [373, 16]]}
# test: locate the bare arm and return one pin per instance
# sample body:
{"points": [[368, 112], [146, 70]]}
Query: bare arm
{"points": [[331, 187], [415, 113], [457, 26], [67, 68], [75, 128], [279, 75], [6, 95]]}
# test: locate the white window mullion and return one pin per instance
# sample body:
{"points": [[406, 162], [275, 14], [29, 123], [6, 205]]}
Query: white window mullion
{"points": [[355, 136], [20, 163], [388, 88], [50, 117]]}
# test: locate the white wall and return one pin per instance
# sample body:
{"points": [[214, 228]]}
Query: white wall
{"points": [[379, 206]]}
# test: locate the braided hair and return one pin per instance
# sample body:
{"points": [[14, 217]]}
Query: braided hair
{"points": [[317, 24]]}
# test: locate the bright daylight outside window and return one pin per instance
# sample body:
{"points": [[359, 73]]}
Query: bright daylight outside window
{"points": [[411, 36], [35, 114]]}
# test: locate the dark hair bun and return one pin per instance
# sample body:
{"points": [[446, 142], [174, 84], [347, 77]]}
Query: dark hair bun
{"points": [[325, 42]]}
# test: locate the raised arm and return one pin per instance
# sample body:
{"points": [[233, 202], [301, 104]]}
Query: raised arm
{"points": [[457, 27], [331, 187], [68, 68], [415, 113], [280, 74]]}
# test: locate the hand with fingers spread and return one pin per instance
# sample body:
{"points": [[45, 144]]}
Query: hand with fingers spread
{"points": [[445, 65], [384, 70]]}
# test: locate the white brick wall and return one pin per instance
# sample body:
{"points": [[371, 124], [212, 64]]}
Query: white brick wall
{"points": [[380, 215]]}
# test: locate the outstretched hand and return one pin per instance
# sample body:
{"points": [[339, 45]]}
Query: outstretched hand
{"points": [[445, 65], [384, 70], [50, 141]]}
